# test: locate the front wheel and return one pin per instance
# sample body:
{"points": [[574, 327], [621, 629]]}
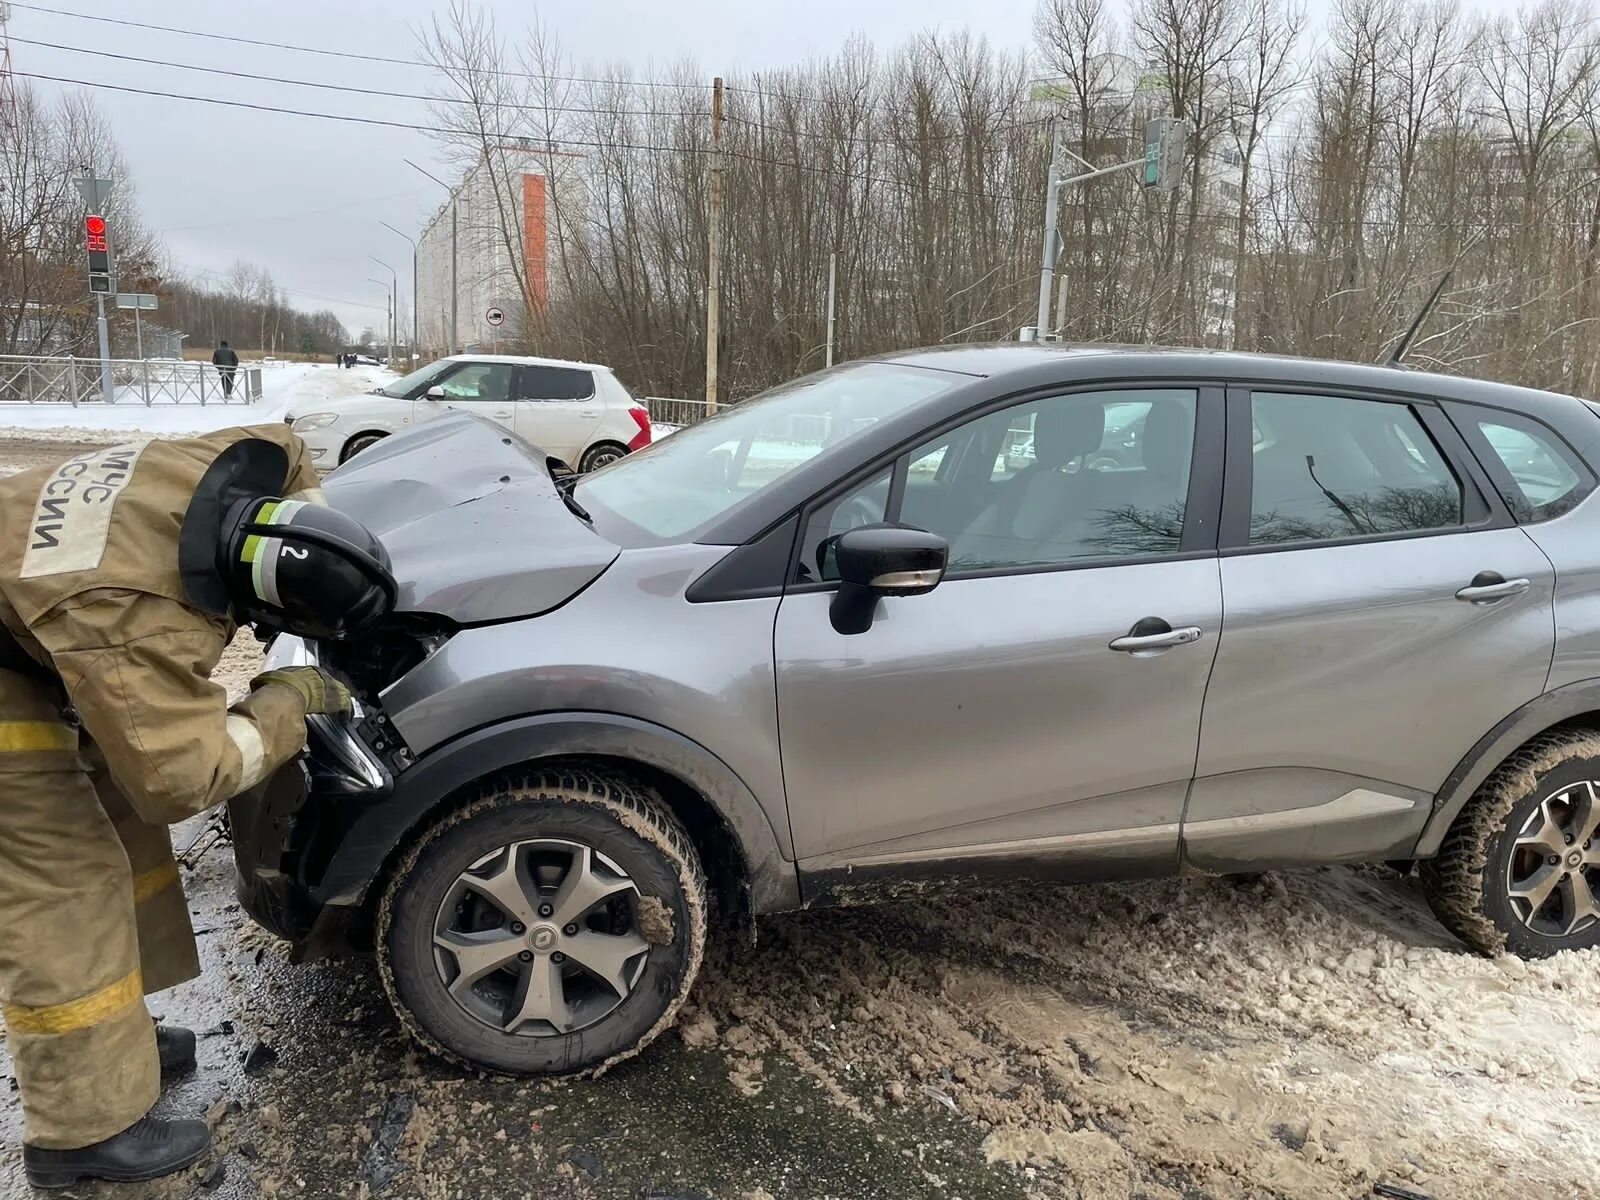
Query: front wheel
{"points": [[359, 443], [601, 455], [1519, 869], [552, 925]]}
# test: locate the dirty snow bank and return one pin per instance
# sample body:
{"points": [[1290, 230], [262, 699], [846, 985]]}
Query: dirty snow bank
{"points": [[1301, 1036]]}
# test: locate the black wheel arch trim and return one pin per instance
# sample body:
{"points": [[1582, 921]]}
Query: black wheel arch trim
{"points": [[379, 831], [1500, 743]]}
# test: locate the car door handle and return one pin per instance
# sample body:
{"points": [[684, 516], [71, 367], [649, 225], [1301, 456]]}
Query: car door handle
{"points": [[1489, 586], [504, 414], [1144, 643], [590, 416]]}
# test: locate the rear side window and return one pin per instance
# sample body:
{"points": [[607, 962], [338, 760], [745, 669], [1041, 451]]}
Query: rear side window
{"points": [[1547, 477], [557, 383], [1332, 467]]}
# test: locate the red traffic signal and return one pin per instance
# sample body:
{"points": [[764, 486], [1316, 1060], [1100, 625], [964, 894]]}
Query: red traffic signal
{"points": [[94, 228]]}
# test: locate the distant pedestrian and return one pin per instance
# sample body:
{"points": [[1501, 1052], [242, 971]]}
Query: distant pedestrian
{"points": [[226, 362]]}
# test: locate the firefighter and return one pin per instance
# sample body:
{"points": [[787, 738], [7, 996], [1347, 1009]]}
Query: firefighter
{"points": [[124, 572]]}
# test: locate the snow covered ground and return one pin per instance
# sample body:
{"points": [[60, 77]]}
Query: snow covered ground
{"points": [[283, 385], [1298, 1036]]}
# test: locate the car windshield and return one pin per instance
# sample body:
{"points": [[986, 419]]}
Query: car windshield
{"points": [[680, 484], [408, 385]]}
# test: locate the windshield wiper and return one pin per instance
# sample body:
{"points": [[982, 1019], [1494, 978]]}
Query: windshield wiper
{"points": [[564, 485]]}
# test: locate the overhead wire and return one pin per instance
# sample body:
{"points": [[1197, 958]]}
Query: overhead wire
{"points": [[232, 73]]}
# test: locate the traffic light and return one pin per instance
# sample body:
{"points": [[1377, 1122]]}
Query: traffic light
{"points": [[1164, 142], [97, 243]]}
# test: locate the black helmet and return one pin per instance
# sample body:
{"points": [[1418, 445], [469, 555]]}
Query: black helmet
{"points": [[303, 568]]}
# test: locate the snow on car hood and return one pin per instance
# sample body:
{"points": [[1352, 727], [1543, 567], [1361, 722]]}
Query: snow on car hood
{"points": [[474, 525]]}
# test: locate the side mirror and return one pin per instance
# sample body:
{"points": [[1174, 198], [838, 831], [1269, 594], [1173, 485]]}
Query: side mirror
{"points": [[436, 392], [883, 560]]}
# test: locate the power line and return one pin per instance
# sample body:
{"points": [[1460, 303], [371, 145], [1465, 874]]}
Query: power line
{"points": [[344, 54], [378, 121], [322, 116], [541, 77], [341, 87]]}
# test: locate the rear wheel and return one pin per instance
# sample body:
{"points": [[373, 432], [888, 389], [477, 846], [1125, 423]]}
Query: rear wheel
{"points": [[1519, 870], [601, 455], [552, 925], [359, 443]]}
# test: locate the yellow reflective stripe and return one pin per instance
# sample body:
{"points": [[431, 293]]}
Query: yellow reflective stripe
{"points": [[76, 1014], [19, 737], [154, 881]]}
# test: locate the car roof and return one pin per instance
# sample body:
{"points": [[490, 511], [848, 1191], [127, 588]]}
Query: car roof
{"points": [[527, 360], [1085, 361], [990, 375]]}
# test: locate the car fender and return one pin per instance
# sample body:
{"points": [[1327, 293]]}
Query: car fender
{"points": [[420, 791], [1543, 712]]}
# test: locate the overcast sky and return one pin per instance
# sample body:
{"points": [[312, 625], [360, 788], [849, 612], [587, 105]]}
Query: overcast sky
{"points": [[304, 197]]}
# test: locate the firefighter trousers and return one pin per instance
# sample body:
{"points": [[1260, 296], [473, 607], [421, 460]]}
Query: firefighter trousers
{"points": [[92, 919]]}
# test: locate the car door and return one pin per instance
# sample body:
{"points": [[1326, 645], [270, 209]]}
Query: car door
{"points": [[1043, 702], [1383, 613], [558, 410], [484, 388]]}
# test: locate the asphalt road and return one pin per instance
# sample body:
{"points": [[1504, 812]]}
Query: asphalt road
{"points": [[314, 1092]]}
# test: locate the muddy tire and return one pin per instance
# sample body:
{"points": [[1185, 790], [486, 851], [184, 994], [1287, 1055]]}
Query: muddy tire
{"points": [[551, 925], [1519, 869], [602, 454], [360, 442]]}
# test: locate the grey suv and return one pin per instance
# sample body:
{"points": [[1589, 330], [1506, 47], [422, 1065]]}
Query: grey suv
{"points": [[913, 619]]}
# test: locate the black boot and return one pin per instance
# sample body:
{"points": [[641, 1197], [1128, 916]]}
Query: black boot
{"points": [[175, 1046], [149, 1149]]}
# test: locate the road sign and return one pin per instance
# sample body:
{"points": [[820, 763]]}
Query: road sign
{"points": [[496, 316], [142, 300]]}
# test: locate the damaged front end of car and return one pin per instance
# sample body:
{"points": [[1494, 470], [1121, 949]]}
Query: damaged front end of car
{"points": [[479, 530], [286, 831]]}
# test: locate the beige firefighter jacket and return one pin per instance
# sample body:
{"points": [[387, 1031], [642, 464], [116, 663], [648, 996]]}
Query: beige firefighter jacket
{"points": [[90, 588]]}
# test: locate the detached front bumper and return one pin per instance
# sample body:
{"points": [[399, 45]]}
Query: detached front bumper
{"points": [[287, 830]]}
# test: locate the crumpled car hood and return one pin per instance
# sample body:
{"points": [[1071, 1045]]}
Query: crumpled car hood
{"points": [[474, 525]]}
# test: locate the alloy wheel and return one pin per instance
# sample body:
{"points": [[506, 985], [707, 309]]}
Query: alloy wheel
{"points": [[1554, 868], [540, 938]]}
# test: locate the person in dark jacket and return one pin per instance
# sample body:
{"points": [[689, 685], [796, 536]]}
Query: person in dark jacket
{"points": [[226, 362]]}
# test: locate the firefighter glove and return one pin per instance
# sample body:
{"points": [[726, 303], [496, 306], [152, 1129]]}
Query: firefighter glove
{"points": [[320, 692]]}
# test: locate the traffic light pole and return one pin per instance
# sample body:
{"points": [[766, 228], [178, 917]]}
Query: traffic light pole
{"points": [[1047, 264], [107, 392], [1052, 236], [1164, 147]]}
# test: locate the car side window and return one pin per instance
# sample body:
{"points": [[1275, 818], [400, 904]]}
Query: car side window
{"points": [[1058, 480], [1548, 477], [865, 504], [488, 382], [556, 383], [1333, 467]]}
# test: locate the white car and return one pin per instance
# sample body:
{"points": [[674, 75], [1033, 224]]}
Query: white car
{"points": [[577, 412]]}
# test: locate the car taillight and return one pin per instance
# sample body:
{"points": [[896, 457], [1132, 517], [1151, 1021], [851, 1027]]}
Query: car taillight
{"points": [[641, 417]]}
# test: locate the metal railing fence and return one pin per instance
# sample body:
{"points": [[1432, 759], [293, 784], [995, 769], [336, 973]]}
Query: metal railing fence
{"points": [[73, 382], [666, 411]]}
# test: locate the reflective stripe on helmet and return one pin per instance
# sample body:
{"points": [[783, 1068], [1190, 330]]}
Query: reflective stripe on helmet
{"points": [[262, 552]]}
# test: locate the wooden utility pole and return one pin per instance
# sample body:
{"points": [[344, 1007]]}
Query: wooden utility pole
{"points": [[714, 247]]}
